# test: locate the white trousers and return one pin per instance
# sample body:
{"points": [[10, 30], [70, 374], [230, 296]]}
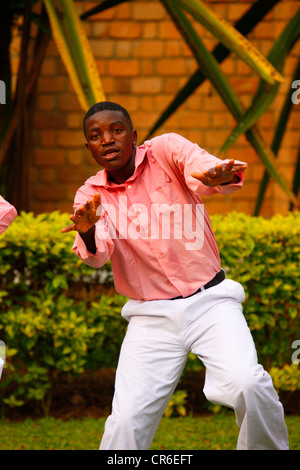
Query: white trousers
{"points": [[160, 335], [1, 366]]}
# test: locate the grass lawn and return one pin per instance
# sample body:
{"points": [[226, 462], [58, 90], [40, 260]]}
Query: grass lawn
{"points": [[215, 432]]}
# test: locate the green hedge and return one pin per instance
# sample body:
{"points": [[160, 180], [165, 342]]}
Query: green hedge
{"points": [[55, 320]]}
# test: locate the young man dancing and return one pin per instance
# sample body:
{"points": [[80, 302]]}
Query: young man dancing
{"points": [[144, 212], [8, 213]]}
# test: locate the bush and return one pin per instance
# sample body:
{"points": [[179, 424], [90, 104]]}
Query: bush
{"points": [[56, 317], [47, 333], [263, 255]]}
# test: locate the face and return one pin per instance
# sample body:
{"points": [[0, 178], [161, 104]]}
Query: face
{"points": [[111, 142]]}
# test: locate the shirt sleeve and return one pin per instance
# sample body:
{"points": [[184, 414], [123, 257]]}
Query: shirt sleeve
{"points": [[103, 241], [189, 158], [8, 213]]}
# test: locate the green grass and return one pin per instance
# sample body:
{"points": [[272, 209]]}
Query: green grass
{"points": [[215, 432]]}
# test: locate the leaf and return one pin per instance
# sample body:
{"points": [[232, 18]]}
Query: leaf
{"points": [[212, 70], [232, 39], [104, 5], [278, 136], [75, 52], [266, 93], [244, 25]]}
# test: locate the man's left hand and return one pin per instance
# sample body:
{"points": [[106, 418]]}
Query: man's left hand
{"points": [[221, 174]]}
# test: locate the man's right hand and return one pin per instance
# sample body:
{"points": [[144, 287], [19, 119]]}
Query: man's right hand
{"points": [[85, 216]]}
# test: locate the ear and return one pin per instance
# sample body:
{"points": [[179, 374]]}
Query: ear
{"points": [[134, 137]]}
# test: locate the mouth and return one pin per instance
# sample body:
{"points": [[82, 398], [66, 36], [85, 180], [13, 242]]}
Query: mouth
{"points": [[110, 153]]}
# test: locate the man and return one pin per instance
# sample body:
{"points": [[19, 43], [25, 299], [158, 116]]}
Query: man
{"points": [[156, 232], [7, 215]]}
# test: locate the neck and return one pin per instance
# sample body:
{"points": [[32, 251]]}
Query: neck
{"points": [[121, 175]]}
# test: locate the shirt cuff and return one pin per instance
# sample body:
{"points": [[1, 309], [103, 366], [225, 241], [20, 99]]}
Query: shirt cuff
{"points": [[104, 249]]}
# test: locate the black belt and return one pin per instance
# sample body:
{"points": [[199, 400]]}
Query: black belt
{"points": [[219, 277]]}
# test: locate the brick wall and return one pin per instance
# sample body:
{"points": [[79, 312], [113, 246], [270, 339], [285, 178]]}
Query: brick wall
{"points": [[143, 62]]}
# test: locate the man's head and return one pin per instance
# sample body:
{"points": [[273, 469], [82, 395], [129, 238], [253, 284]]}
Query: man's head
{"points": [[111, 139], [106, 106]]}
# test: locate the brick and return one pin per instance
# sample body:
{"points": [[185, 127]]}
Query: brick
{"points": [[123, 49], [245, 85], [70, 138], [171, 67], [68, 102], [71, 189], [52, 84], [148, 11], [103, 48], [45, 102], [74, 120], [148, 48], [49, 66], [123, 68], [47, 192], [171, 85], [188, 119], [173, 48], [32, 175], [99, 29], [147, 67], [46, 207], [47, 175], [74, 157], [167, 30], [150, 30], [125, 29], [147, 85], [64, 207], [123, 11], [129, 102], [108, 14], [48, 120], [123, 85], [47, 138], [48, 157], [72, 175]]}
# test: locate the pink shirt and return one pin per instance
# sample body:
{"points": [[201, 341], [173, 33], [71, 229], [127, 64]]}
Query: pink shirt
{"points": [[7, 214], [154, 227]]}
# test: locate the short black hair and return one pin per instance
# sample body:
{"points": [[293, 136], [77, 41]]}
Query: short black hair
{"points": [[106, 106]]}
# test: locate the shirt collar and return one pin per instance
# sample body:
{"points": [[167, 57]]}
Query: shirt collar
{"points": [[101, 178]]}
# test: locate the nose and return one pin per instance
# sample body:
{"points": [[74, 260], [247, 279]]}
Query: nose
{"points": [[107, 138]]}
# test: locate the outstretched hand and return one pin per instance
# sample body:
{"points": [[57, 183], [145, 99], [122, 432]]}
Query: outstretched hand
{"points": [[85, 216], [222, 173]]}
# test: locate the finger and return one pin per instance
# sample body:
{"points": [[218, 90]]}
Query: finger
{"points": [[69, 228], [241, 166], [96, 200], [80, 211], [201, 177], [229, 165], [197, 175], [89, 205], [222, 167]]}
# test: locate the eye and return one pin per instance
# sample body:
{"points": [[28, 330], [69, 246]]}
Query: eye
{"points": [[117, 130], [94, 136]]}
